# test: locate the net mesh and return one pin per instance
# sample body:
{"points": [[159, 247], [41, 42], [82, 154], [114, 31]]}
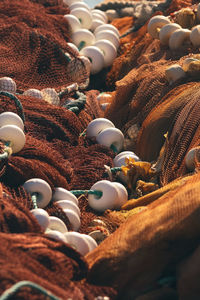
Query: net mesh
{"points": [[150, 245], [39, 59], [43, 261], [34, 52], [183, 135], [160, 119]]}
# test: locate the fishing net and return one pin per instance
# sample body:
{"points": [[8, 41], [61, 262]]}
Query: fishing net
{"points": [[160, 119], [39, 59], [183, 135], [54, 266], [188, 271], [142, 247], [143, 254], [138, 47]]}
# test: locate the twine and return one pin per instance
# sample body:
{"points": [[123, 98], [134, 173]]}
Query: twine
{"points": [[10, 292], [97, 193], [17, 103]]}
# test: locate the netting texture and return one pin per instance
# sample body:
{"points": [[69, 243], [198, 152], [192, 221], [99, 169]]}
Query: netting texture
{"points": [[160, 119], [39, 59], [183, 136], [150, 245], [43, 261]]}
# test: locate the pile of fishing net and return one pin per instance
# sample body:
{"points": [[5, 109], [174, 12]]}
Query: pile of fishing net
{"points": [[151, 245], [33, 49], [154, 254]]}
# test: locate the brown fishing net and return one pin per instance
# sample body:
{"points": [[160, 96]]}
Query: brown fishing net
{"points": [[39, 59], [188, 272], [138, 47], [52, 265], [160, 119], [183, 136], [151, 245], [143, 254]]}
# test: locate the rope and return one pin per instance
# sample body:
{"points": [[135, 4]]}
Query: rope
{"points": [[109, 171], [116, 169], [21, 284], [83, 133], [76, 105], [17, 103], [81, 45], [97, 193], [114, 149], [34, 198]]}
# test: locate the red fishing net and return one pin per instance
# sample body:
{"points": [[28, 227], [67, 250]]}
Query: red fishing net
{"points": [[149, 245]]}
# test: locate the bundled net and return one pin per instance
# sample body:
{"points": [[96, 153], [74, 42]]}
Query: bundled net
{"points": [[143, 254], [183, 135], [138, 47], [151, 137], [55, 151], [42, 261], [39, 59], [188, 272], [135, 257]]}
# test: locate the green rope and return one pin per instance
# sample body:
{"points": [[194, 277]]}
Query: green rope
{"points": [[21, 284], [17, 103], [76, 105], [81, 45], [114, 148], [34, 198], [97, 193], [116, 169]]}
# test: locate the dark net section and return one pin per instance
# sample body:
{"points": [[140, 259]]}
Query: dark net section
{"points": [[183, 136], [33, 47]]}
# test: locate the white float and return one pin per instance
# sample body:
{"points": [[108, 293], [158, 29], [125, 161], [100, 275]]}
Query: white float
{"points": [[40, 187]]}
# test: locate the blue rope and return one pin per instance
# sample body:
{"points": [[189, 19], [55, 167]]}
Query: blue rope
{"points": [[21, 284]]}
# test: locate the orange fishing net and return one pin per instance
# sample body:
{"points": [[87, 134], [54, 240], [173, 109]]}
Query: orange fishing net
{"points": [[143, 254], [39, 59]]}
